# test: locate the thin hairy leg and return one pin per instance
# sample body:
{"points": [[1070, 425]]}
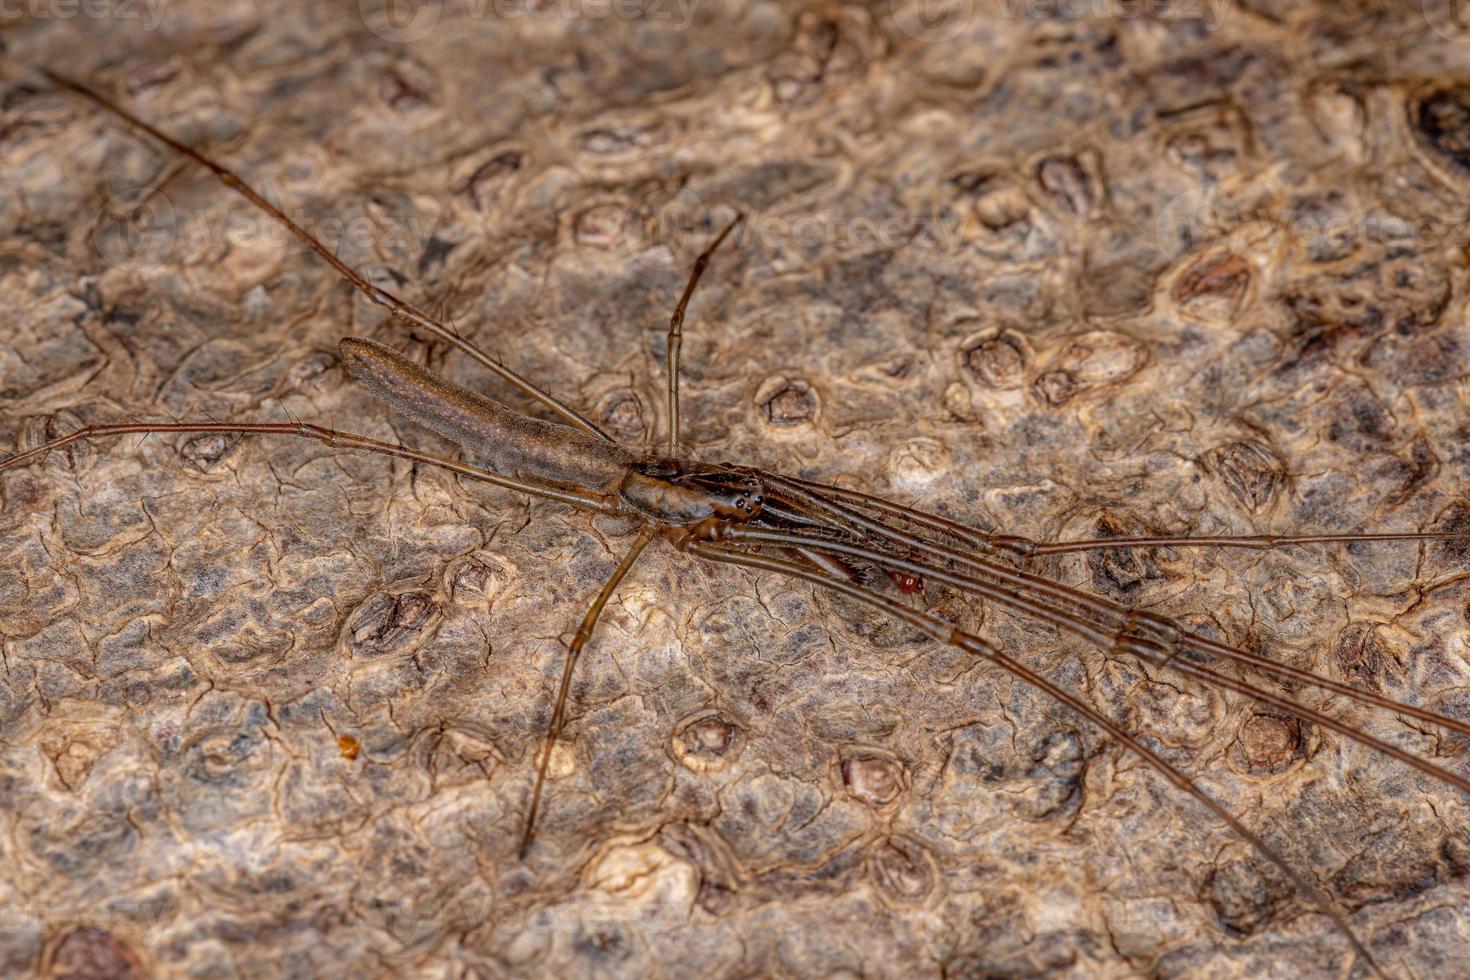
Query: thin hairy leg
{"points": [[980, 540], [330, 437], [398, 307], [1109, 640], [574, 651], [1129, 627], [676, 332], [1030, 548], [944, 632]]}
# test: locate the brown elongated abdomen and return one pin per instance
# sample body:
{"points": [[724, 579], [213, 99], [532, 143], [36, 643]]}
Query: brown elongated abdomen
{"points": [[512, 444]]}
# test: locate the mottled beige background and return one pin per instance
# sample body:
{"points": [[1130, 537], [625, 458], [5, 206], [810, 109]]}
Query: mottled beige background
{"points": [[1063, 268]]}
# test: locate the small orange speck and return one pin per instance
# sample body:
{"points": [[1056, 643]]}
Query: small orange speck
{"points": [[348, 746]]}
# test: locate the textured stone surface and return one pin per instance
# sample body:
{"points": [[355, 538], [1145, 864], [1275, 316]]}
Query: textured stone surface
{"points": [[1060, 268]]}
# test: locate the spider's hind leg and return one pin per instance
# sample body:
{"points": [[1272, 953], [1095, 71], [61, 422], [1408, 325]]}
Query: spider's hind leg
{"points": [[574, 651]]}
